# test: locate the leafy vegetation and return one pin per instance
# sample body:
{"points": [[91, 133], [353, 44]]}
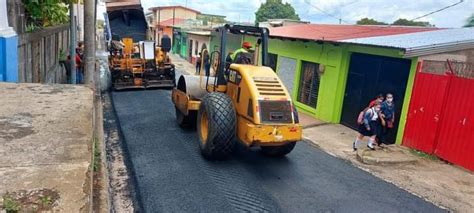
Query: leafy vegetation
{"points": [[470, 21], [10, 205], [369, 21], [399, 22], [36, 200], [423, 155], [275, 9], [100, 24], [96, 162], [45, 13], [406, 22]]}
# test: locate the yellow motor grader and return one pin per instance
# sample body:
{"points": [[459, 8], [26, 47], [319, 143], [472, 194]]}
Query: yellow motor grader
{"points": [[247, 102], [141, 65]]}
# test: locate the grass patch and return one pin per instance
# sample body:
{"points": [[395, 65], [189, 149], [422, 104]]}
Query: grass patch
{"points": [[38, 200], [423, 155], [96, 160], [10, 205]]}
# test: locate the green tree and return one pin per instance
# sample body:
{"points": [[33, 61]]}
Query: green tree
{"points": [[275, 9], [100, 24], [46, 13], [369, 21], [405, 22], [470, 21]]}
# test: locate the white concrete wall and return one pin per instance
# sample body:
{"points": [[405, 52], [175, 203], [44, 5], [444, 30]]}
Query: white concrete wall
{"points": [[201, 40], [165, 14]]}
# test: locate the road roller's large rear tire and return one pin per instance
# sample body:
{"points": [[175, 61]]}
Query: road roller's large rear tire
{"points": [[216, 126], [278, 151]]}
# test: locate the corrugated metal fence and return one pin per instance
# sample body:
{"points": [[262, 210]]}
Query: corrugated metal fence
{"points": [[441, 114], [39, 55]]}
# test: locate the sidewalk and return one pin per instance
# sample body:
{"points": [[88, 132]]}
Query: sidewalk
{"points": [[45, 147], [182, 65], [436, 181]]}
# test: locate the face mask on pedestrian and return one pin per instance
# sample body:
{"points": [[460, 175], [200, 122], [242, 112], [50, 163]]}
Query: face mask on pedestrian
{"points": [[389, 99], [377, 108]]}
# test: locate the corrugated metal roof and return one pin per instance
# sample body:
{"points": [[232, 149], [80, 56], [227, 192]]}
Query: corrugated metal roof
{"points": [[202, 33], [423, 43], [335, 32], [172, 7]]}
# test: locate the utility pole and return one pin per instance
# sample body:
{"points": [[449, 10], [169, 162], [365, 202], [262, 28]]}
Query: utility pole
{"points": [[72, 42], [89, 41]]}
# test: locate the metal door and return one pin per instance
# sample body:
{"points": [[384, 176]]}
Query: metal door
{"points": [[370, 75], [286, 71], [456, 132]]}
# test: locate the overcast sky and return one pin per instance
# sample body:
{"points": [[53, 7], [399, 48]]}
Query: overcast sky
{"points": [[349, 10]]}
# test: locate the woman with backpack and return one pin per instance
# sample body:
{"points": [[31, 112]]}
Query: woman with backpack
{"points": [[369, 126]]}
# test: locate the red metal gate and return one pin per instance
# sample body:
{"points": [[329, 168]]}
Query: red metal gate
{"points": [[425, 111], [441, 114], [456, 135]]}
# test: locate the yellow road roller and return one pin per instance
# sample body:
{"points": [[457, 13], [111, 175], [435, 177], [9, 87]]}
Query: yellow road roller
{"points": [[239, 101]]}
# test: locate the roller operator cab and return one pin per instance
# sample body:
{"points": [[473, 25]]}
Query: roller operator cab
{"points": [[247, 102]]}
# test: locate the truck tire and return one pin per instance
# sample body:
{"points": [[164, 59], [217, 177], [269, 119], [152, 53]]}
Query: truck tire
{"points": [[216, 126], [278, 151]]}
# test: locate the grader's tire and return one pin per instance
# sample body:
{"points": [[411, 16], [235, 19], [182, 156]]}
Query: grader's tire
{"points": [[278, 151], [185, 121], [216, 126]]}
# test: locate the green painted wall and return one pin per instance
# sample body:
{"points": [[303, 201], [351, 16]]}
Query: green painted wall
{"points": [[406, 101], [184, 45], [331, 81], [176, 44]]}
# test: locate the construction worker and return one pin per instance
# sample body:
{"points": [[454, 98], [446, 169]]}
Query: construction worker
{"points": [[245, 49]]}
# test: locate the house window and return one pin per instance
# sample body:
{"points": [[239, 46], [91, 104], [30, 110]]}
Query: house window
{"points": [[309, 84], [190, 50], [272, 61], [197, 48]]}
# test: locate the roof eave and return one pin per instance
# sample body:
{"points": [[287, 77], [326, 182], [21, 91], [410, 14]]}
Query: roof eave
{"points": [[439, 48]]}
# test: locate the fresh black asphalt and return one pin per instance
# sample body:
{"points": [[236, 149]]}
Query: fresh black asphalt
{"points": [[171, 175]]}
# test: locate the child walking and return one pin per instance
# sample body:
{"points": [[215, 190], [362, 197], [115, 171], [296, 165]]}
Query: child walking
{"points": [[369, 127]]}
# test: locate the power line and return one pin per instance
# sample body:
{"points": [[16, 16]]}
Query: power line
{"points": [[425, 15], [342, 20], [327, 13], [439, 10], [390, 25]]}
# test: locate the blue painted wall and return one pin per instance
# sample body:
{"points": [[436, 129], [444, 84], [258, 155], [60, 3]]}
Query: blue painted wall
{"points": [[2, 60], [9, 59]]}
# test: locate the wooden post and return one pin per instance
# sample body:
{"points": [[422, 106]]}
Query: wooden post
{"points": [[72, 42], [89, 42]]}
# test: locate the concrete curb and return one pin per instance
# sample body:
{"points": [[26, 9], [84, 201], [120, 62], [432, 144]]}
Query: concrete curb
{"points": [[391, 157], [315, 125], [105, 204]]}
